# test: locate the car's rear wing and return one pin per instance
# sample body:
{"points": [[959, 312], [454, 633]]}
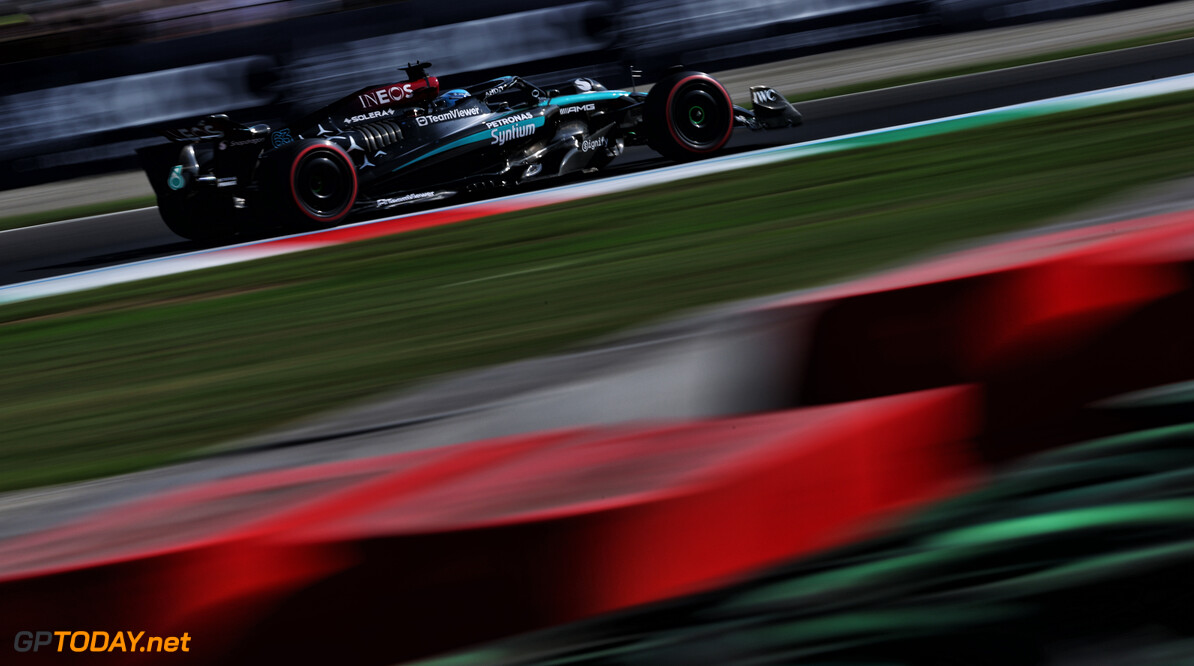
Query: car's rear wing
{"points": [[217, 127], [171, 168]]}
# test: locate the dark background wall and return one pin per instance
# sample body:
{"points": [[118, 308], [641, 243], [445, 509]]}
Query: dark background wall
{"points": [[82, 97]]}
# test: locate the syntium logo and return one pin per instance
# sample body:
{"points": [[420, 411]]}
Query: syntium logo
{"points": [[520, 131]]}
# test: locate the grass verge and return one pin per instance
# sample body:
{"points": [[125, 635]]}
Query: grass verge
{"points": [[133, 376]]}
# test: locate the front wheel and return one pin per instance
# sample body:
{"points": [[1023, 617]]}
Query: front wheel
{"points": [[309, 185], [689, 115]]}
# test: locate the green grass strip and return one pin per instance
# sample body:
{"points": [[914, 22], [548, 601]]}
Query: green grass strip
{"points": [[1175, 436], [875, 623], [1087, 571], [132, 376], [850, 578], [13, 19], [1085, 518]]}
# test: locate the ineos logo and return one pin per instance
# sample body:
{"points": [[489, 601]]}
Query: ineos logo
{"points": [[384, 96]]}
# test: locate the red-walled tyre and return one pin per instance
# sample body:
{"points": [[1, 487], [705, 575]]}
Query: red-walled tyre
{"points": [[309, 185], [689, 115]]}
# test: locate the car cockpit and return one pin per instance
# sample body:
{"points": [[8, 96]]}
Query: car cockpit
{"points": [[508, 93]]}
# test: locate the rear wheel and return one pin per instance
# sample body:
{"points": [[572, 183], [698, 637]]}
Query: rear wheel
{"points": [[310, 185], [689, 115]]}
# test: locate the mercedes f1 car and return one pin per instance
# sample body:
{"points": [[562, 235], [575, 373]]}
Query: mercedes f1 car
{"points": [[407, 143]]}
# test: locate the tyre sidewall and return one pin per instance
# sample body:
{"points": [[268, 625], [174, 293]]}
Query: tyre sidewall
{"points": [[284, 186], [665, 137]]}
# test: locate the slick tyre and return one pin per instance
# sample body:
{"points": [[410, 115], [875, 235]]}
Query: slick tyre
{"points": [[689, 115], [309, 185]]}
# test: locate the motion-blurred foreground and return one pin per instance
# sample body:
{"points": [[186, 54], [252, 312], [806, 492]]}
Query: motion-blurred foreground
{"points": [[918, 385]]}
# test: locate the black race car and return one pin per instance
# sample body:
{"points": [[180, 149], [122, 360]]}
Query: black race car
{"points": [[406, 143]]}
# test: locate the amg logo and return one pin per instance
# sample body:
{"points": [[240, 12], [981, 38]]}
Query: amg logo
{"points": [[501, 136], [764, 96], [450, 115], [509, 120], [577, 109], [384, 96]]}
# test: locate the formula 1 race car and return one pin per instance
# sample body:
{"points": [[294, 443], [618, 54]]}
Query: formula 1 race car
{"points": [[406, 143]]}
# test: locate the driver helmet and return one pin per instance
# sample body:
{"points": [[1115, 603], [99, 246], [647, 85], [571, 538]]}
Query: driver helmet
{"points": [[450, 98]]}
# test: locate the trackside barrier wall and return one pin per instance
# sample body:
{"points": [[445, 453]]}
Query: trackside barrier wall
{"points": [[1046, 325], [412, 554], [67, 111], [64, 112]]}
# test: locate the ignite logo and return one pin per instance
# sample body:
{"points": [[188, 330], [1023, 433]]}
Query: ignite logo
{"points": [[593, 144], [99, 641], [501, 136]]}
